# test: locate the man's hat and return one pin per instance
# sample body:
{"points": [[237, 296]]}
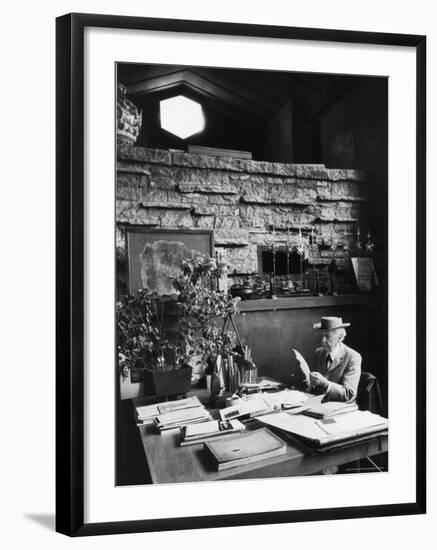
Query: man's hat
{"points": [[331, 323]]}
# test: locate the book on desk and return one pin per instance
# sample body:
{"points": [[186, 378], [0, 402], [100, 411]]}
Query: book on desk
{"points": [[195, 434], [245, 449], [330, 409], [147, 413], [182, 417]]}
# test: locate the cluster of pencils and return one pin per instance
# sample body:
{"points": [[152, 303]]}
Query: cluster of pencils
{"points": [[232, 373], [235, 369]]}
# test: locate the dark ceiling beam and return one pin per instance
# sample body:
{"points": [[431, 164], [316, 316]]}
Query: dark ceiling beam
{"points": [[262, 86], [331, 93], [200, 85], [210, 103], [269, 103], [131, 74]]}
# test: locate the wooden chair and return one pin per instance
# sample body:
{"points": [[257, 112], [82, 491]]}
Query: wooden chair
{"points": [[369, 398]]}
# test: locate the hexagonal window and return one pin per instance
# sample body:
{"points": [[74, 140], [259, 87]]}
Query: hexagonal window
{"points": [[181, 116]]}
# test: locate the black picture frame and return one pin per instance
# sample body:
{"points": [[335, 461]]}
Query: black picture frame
{"points": [[70, 273]]}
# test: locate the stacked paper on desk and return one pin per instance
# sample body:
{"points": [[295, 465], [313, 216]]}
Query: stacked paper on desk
{"points": [[245, 449], [326, 431], [208, 431], [179, 404], [179, 418], [285, 399], [263, 403], [245, 408], [147, 413], [330, 409]]}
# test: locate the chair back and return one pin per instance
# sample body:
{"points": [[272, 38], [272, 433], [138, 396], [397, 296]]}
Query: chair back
{"points": [[369, 396]]}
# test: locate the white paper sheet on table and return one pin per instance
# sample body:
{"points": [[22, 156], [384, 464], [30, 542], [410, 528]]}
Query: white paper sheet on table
{"points": [[202, 428], [353, 421]]}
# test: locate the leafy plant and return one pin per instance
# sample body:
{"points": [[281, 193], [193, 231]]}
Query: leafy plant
{"points": [[139, 329], [140, 320], [200, 336]]}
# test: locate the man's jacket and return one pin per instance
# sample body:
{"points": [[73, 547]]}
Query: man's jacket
{"points": [[344, 373]]}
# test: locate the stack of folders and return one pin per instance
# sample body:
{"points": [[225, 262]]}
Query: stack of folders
{"points": [[263, 404], [208, 431], [147, 413], [330, 409], [322, 432], [245, 449], [177, 419]]}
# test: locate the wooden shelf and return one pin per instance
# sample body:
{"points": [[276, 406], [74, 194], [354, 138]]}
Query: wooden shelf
{"points": [[303, 302]]}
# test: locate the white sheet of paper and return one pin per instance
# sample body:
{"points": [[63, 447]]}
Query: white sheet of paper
{"points": [[202, 428], [147, 411], [285, 397], [183, 415], [187, 403], [352, 421], [296, 424]]}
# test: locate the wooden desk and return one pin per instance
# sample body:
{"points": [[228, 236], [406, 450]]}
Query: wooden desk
{"points": [[167, 462]]}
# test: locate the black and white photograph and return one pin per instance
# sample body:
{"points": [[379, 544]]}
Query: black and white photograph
{"points": [[251, 253], [240, 274], [218, 254]]}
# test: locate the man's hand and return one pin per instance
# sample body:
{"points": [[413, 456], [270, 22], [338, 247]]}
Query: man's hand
{"points": [[317, 380]]}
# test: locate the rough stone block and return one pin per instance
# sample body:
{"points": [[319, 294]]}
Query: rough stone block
{"points": [[344, 191], [229, 200], [300, 171], [131, 186], [227, 222], [258, 167], [231, 237], [142, 154], [208, 162], [242, 260], [163, 177], [331, 212], [206, 181], [128, 212], [259, 237], [204, 222], [218, 210], [195, 199], [310, 171], [132, 213], [159, 198], [240, 177], [133, 168], [296, 194], [280, 218], [338, 174], [207, 186]]}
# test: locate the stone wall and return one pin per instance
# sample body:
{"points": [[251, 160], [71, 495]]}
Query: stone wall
{"points": [[240, 200]]}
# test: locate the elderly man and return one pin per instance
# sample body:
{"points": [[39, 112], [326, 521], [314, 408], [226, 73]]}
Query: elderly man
{"points": [[337, 367]]}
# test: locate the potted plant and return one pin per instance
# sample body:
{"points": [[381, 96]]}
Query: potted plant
{"points": [[142, 344], [202, 310], [141, 337]]}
